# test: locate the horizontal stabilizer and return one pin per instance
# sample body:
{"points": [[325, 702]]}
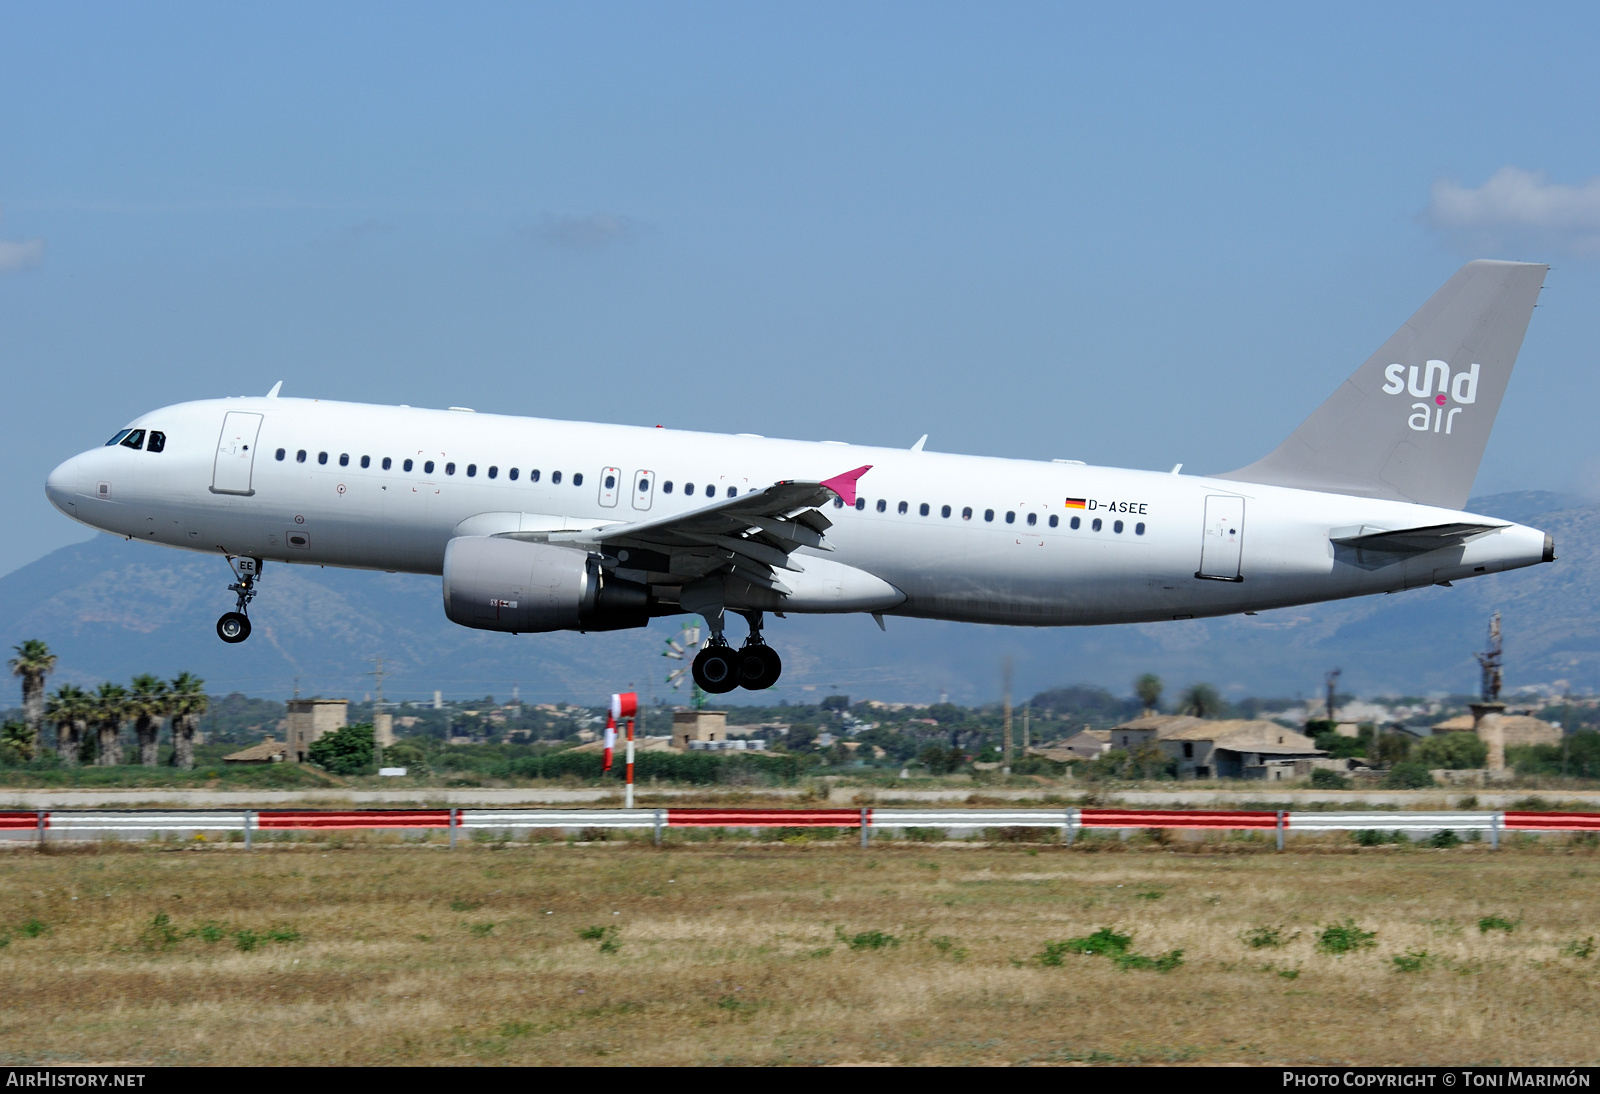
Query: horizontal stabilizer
{"points": [[1410, 541]]}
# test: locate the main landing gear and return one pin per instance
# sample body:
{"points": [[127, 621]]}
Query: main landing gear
{"points": [[234, 626], [719, 668]]}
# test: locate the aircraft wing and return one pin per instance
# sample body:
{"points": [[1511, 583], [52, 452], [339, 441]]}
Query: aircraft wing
{"points": [[752, 535], [1410, 541]]}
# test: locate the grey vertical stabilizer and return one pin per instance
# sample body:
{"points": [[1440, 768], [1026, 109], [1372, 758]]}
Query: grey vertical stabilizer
{"points": [[1411, 424]]}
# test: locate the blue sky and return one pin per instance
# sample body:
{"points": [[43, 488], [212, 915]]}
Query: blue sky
{"points": [[1133, 235]]}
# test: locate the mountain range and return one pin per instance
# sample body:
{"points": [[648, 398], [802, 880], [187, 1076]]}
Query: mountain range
{"points": [[111, 608]]}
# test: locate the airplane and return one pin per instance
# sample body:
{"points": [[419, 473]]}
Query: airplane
{"points": [[536, 525]]}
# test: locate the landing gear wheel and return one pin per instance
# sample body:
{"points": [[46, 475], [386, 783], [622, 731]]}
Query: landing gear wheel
{"points": [[759, 667], [716, 669], [233, 627]]}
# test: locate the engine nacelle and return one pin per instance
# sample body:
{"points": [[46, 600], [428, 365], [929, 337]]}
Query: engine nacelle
{"points": [[496, 584]]}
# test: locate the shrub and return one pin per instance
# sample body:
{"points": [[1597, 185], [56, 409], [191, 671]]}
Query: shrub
{"points": [[1457, 751], [1108, 943], [1260, 938], [1412, 961], [1408, 775], [1343, 938], [346, 751], [1445, 837], [1168, 961], [1323, 779], [1497, 923], [867, 940], [1372, 837], [1576, 948]]}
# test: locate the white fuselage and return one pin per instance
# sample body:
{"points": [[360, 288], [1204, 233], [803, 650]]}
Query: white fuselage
{"points": [[1026, 564]]}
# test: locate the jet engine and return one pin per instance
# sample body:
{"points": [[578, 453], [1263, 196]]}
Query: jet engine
{"points": [[496, 584]]}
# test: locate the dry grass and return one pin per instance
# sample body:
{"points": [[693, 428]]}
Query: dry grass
{"points": [[714, 953]]}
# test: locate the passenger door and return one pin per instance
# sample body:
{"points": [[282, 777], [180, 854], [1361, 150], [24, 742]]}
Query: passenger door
{"points": [[644, 489], [236, 454], [1221, 545]]}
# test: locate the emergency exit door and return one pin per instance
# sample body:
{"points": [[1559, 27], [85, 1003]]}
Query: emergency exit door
{"points": [[236, 453], [1223, 541]]}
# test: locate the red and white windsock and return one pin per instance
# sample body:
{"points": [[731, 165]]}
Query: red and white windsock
{"points": [[611, 741], [625, 705]]}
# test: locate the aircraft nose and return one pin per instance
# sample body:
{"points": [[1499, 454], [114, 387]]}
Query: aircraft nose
{"points": [[65, 484]]}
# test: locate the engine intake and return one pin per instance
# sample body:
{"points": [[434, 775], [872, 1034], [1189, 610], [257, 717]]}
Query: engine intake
{"points": [[495, 584]]}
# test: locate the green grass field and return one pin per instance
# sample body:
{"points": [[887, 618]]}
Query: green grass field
{"points": [[801, 952]]}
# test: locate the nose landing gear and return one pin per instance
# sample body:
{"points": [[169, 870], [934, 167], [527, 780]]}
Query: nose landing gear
{"points": [[719, 668], [234, 626]]}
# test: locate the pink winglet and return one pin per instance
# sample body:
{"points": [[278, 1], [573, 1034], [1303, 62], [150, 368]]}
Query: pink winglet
{"points": [[845, 485]]}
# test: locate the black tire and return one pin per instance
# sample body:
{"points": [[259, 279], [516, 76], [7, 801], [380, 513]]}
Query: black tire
{"points": [[759, 667], [716, 669], [233, 627]]}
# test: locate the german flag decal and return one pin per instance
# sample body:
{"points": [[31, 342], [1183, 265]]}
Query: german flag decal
{"points": [[1075, 503]]}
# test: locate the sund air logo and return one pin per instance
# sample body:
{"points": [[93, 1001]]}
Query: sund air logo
{"points": [[1436, 415]]}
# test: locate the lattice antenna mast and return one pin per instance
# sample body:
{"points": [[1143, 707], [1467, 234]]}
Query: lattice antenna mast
{"points": [[1490, 662], [1332, 681]]}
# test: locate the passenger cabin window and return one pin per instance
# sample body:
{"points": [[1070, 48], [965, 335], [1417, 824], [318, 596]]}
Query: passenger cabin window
{"points": [[903, 508], [300, 456], [923, 508], [494, 472], [861, 503], [117, 439], [611, 482], [882, 505], [512, 474], [1054, 520], [1077, 522], [666, 487], [1096, 524], [427, 468], [344, 459], [1011, 518], [711, 491], [387, 463], [158, 441], [472, 470], [322, 457], [1033, 518], [838, 503], [1116, 526], [577, 478], [944, 511], [450, 468], [988, 514], [407, 465], [688, 488], [281, 454], [366, 461], [733, 492], [1138, 529], [555, 477], [533, 475], [966, 513], [134, 439]]}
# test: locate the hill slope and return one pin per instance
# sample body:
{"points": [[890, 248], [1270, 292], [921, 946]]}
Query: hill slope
{"points": [[111, 608]]}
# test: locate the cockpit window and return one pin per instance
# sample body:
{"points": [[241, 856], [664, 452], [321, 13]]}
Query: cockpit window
{"points": [[158, 441], [135, 439], [121, 433]]}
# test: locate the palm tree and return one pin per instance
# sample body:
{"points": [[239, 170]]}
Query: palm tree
{"points": [[150, 704], [1148, 689], [188, 703], [1201, 700], [33, 663], [70, 708], [110, 711]]}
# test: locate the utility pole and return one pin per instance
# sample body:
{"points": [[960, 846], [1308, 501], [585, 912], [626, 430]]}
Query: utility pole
{"points": [[1490, 662], [1332, 681], [1025, 712], [1005, 673]]}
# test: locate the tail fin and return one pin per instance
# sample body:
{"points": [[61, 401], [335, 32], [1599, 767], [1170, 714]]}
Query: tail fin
{"points": [[1411, 424]]}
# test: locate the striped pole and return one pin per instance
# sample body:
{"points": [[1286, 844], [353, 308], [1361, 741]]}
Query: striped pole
{"points": [[628, 797], [1280, 829], [40, 822], [247, 826], [452, 828], [865, 832]]}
